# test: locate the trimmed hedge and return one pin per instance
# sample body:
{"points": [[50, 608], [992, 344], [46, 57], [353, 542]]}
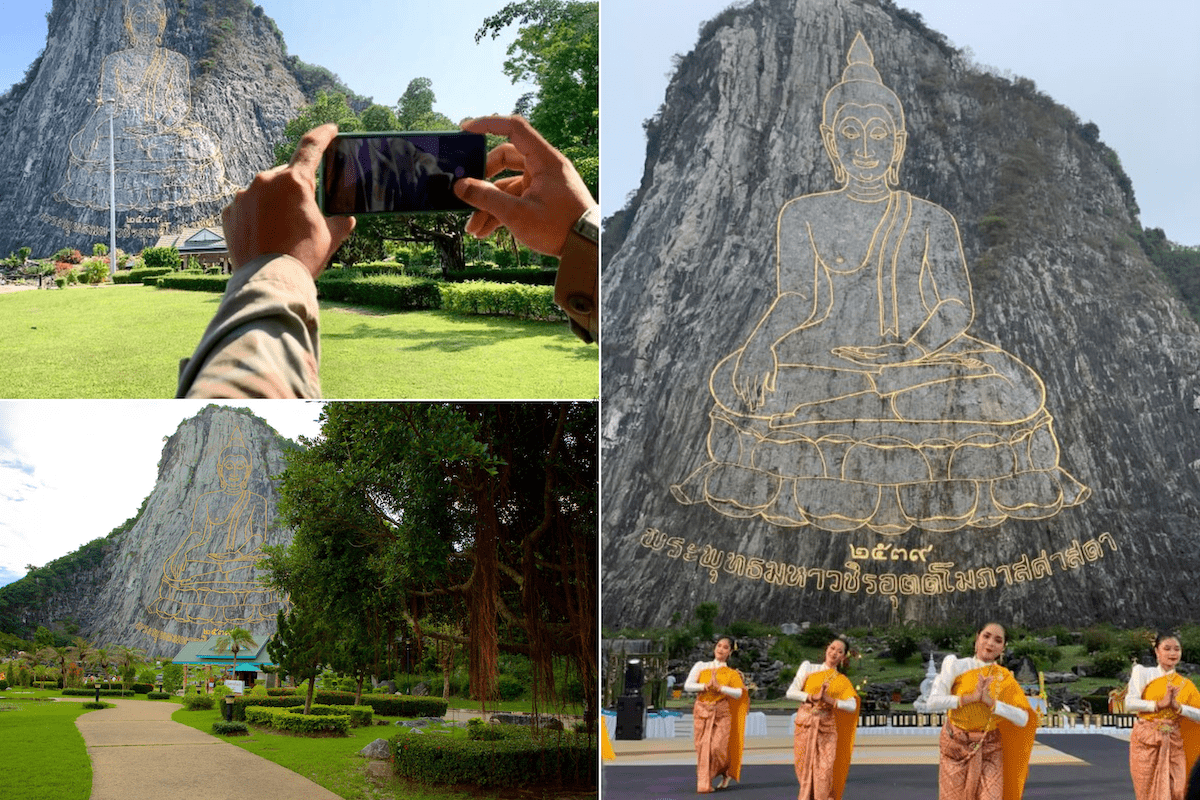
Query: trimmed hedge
{"points": [[92, 693], [502, 299], [383, 706], [199, 702], [521, 757], [360, 716], [146, 275], [229, 728], [285, 719], [192, 282], [157, 696], [395, 292], [533, 276]]}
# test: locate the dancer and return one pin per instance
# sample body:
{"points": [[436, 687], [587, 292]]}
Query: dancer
{"points": [[719, 718], [1165, 741], [825, 724], [988, 735]]}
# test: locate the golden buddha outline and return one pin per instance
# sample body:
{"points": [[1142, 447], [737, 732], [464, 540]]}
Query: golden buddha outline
{"points": [[209, 578], [163, 157], [906, 420]]}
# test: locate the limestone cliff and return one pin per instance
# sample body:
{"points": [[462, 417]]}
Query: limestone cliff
{"points": [[1057, 284], [185, 566], [198, 93]]}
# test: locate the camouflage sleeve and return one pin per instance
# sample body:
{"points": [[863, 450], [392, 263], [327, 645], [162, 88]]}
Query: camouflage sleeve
{"points": [[263, 341], [576, 289]]}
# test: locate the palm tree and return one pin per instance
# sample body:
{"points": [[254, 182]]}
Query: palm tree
{"points": [[102, 658], [235, 640], [129, 657]]}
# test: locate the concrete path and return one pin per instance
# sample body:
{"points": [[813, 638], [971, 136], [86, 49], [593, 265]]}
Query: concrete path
{"points": [[138, 753]]}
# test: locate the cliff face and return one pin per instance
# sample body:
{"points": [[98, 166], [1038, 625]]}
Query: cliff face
{"points": [[1083, 511], [198, 92], [186, 568]]}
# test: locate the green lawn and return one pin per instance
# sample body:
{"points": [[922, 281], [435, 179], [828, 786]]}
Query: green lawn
{"points": [[43, 752], [126, 341], [333, 762]]}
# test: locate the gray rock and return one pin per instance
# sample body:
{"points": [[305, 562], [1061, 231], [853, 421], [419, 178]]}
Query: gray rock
{"points": [[690, 266], [378, 749], [224, 92], [420, 690]]}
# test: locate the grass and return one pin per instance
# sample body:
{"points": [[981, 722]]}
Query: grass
{"points": [[333, 762], [126, 341], [44, 753]]}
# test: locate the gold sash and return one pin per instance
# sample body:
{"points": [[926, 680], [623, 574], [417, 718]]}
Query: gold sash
{"points": [[738, 708], [1016, 743]]}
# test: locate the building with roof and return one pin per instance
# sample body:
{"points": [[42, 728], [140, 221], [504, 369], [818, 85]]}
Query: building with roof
{"points": [[206, 245], [204, 654]]}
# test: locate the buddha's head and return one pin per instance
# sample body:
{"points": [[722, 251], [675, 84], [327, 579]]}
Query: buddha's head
{"points": [[233, 467], [862, 124], [145, 21]]}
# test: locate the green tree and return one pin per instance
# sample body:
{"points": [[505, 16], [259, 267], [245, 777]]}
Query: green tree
{"points": [[235, 641], [414, 111], [477, 513], [299, 647], [328, 107], [129, 658], [379, 118], [558, 49]]}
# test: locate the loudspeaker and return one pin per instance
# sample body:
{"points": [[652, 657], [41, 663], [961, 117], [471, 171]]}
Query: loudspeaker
{"points": [[631, 717]]}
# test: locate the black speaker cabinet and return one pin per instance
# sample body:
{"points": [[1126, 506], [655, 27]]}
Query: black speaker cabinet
{"points": [[631, 717]]}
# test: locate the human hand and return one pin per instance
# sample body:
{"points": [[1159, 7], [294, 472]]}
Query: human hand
{"points": [[869, 356], [278, 213], [984, 692], [540, 205]]}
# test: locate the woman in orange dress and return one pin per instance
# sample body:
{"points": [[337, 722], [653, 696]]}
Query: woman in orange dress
{"points": [[988, 735], [1165, 741], [825, 724], [719, 718]]}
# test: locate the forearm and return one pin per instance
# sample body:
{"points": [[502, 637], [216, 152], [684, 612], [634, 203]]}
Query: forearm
{"points": [[263, 340], [1014, 714]]}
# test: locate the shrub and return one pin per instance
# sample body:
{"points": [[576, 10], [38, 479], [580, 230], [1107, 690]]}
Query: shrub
{"points": [[902, 642], [167, 257], [509, 687], [69, 256], [199, 702], [382, 706], [192, 282], [534, 276], [285, 720], [172, 678], [360, 716], [501, 299], [223, 728], [157, 695], [60, 283], [3, 685], [520, 757], [97, 706], [1109, 664], [92, 692], [387, 291]]}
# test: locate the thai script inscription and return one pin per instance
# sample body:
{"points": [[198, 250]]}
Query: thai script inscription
{"points": [[940, 577]]}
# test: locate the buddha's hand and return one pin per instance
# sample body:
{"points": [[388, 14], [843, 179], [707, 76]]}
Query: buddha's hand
{"points": [[754, 375], [880, 355]]}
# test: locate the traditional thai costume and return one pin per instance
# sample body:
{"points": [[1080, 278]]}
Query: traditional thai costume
{"points": [[823, 739], [984, 751], [1164, 743], [719, 722]]}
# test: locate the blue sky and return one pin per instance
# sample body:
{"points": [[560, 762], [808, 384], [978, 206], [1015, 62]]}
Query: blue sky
{"points": [[393, 42], [1132, 68], [72, 470]]}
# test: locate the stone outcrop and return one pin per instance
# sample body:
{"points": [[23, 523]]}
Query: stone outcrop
{"points": [[1045, 217], [186, 566], [198, 93]]}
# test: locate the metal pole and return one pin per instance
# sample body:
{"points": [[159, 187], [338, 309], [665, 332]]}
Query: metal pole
{"points": [[112, 194]]}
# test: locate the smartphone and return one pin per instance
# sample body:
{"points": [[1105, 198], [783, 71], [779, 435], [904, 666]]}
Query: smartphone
{"points": [[397, 173]]}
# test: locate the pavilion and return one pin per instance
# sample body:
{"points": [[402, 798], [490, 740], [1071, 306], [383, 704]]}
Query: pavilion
{"points": [[204, 654]]}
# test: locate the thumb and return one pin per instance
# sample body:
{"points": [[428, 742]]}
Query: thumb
{"points": [[340, 229], [486, 197]]}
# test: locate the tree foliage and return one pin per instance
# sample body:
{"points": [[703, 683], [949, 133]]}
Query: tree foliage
{"points": [[557, 49], [484, 514]]}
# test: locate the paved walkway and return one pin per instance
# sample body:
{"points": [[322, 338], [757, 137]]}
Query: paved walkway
{"points": [[138, 753]]}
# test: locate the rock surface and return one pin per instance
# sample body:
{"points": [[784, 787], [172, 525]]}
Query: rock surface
{"points": [[186, 568], [198, 109], [1044, 213]]}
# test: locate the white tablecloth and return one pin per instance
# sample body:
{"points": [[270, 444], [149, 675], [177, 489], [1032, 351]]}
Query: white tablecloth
{"points": [[756, 724]]}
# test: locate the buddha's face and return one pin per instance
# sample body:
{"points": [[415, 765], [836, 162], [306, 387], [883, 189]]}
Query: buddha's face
{"points": [[864, 142], [234, 472], [145, 22]]}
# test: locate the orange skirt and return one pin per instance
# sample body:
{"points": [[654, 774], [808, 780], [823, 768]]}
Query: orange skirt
{"points": [[1157, 761], [711, 723], [814, 745], [972, 765]]}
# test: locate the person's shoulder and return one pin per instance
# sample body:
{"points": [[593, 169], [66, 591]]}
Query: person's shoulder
{"points": [[949, 661], [805, 204], [927, 209]]}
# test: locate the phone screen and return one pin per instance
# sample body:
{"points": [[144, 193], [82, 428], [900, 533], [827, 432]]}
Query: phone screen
{"points": [[398, 173]]}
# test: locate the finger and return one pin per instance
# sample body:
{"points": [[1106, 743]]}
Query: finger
{"points": [[517, 129], [340, 229], [506, 156], [311, 148], [486, 197]]}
